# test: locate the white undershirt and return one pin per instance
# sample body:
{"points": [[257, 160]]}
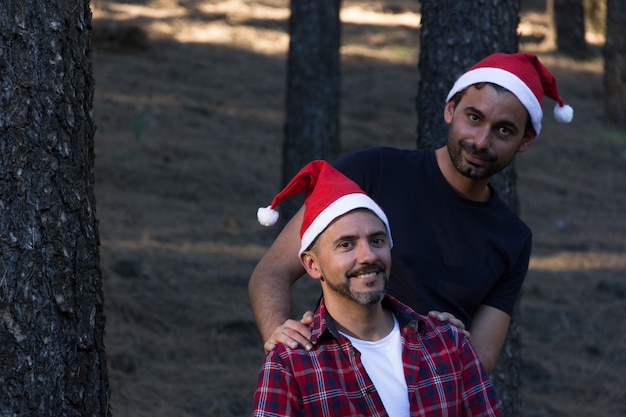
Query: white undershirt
{"points": [[383, 362]]}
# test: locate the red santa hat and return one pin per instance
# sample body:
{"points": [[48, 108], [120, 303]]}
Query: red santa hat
{"points": [[525, 77], [328, 195]]}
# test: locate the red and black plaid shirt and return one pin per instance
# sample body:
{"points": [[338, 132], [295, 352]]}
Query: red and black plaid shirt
{"points": [[443, 374]]}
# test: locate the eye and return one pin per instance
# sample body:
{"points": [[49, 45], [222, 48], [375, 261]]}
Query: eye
{"points": [[379, 241], [505, 131], [473, 118], [345, 244]]}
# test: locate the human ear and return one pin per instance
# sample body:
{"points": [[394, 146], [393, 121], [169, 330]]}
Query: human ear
{"points": [[448, 111], [527, 141], [310, 264]]}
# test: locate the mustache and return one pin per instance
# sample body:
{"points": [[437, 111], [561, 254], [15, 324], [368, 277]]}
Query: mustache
{"points": [[367, 269], [485, 155]]}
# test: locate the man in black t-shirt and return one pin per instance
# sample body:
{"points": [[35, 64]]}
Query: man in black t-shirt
{"points": [[458, 248]]}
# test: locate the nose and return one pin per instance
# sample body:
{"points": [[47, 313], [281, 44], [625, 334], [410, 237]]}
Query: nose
{"points": [[366, 253], [482, 138]]}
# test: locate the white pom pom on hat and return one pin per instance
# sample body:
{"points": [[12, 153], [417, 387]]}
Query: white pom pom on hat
{"points": [[267, 216], [523, 75], [328, 195], [563, 114]]}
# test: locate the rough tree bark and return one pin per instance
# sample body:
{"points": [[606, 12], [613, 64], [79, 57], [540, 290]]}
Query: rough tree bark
{"points": [[615, 62], [569, 23], [454, 35], [52, 360], [313, 83]]}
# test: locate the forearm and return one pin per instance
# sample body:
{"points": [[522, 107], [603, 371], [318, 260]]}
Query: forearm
{"points": [[269, 288], [488, 332], [270, 299], [488, 360]]}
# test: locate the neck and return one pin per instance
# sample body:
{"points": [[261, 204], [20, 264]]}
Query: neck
{"points": [[369, 323], [471, 189]]}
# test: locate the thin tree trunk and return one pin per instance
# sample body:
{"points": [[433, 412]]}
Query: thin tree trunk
{"points": [[313, 89], [569, 22], [615, 62], [52, 359], [455, 35]]}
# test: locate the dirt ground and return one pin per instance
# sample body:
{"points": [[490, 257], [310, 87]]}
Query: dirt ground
{"points": [[189, 109]]}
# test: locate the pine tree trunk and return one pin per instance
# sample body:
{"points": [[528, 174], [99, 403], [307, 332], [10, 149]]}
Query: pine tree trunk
{"points": [[455, 35], [569, 22], [313, 89], [52, 360], [449, 45], [615, 62]]}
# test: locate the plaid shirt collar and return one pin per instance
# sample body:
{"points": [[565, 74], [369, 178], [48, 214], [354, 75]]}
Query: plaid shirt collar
{"points": [[324, 325]]}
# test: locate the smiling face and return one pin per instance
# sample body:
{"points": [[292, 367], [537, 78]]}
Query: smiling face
{"points": [[487, 129], [352, 258]]}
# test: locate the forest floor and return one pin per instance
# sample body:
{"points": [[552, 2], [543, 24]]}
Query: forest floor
{"points": [[189, 107]]}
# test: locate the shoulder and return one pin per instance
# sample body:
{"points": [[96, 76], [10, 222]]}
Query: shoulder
{"points": [[379, 154], [285, 355], [301, 358], [503, 210], [429, 328], [374, 165], [437, 331], [513, 230], [287, 362]]}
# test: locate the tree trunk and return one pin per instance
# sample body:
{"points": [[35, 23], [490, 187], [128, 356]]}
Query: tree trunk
{"points": [[615, 61], [448, 47], [507, 377], [313, 82], [569, 22], [52, 360]]}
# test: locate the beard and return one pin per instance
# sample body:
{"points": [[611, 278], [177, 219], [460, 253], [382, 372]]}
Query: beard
{"points": [[491, 164], [361, 297]]}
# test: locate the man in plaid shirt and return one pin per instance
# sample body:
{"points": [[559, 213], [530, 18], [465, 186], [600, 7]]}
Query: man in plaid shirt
{"points": [[372, 355]]}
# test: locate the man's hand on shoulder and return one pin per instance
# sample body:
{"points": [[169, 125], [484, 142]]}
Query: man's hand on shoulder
{"points": [[450, 318], [292, 333]]}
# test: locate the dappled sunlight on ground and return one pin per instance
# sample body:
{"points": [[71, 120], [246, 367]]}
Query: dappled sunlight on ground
{"points": [[579, 261], [189, 108]]}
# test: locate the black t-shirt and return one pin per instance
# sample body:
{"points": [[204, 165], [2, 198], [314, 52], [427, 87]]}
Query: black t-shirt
{"points": [[450, 254]]}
